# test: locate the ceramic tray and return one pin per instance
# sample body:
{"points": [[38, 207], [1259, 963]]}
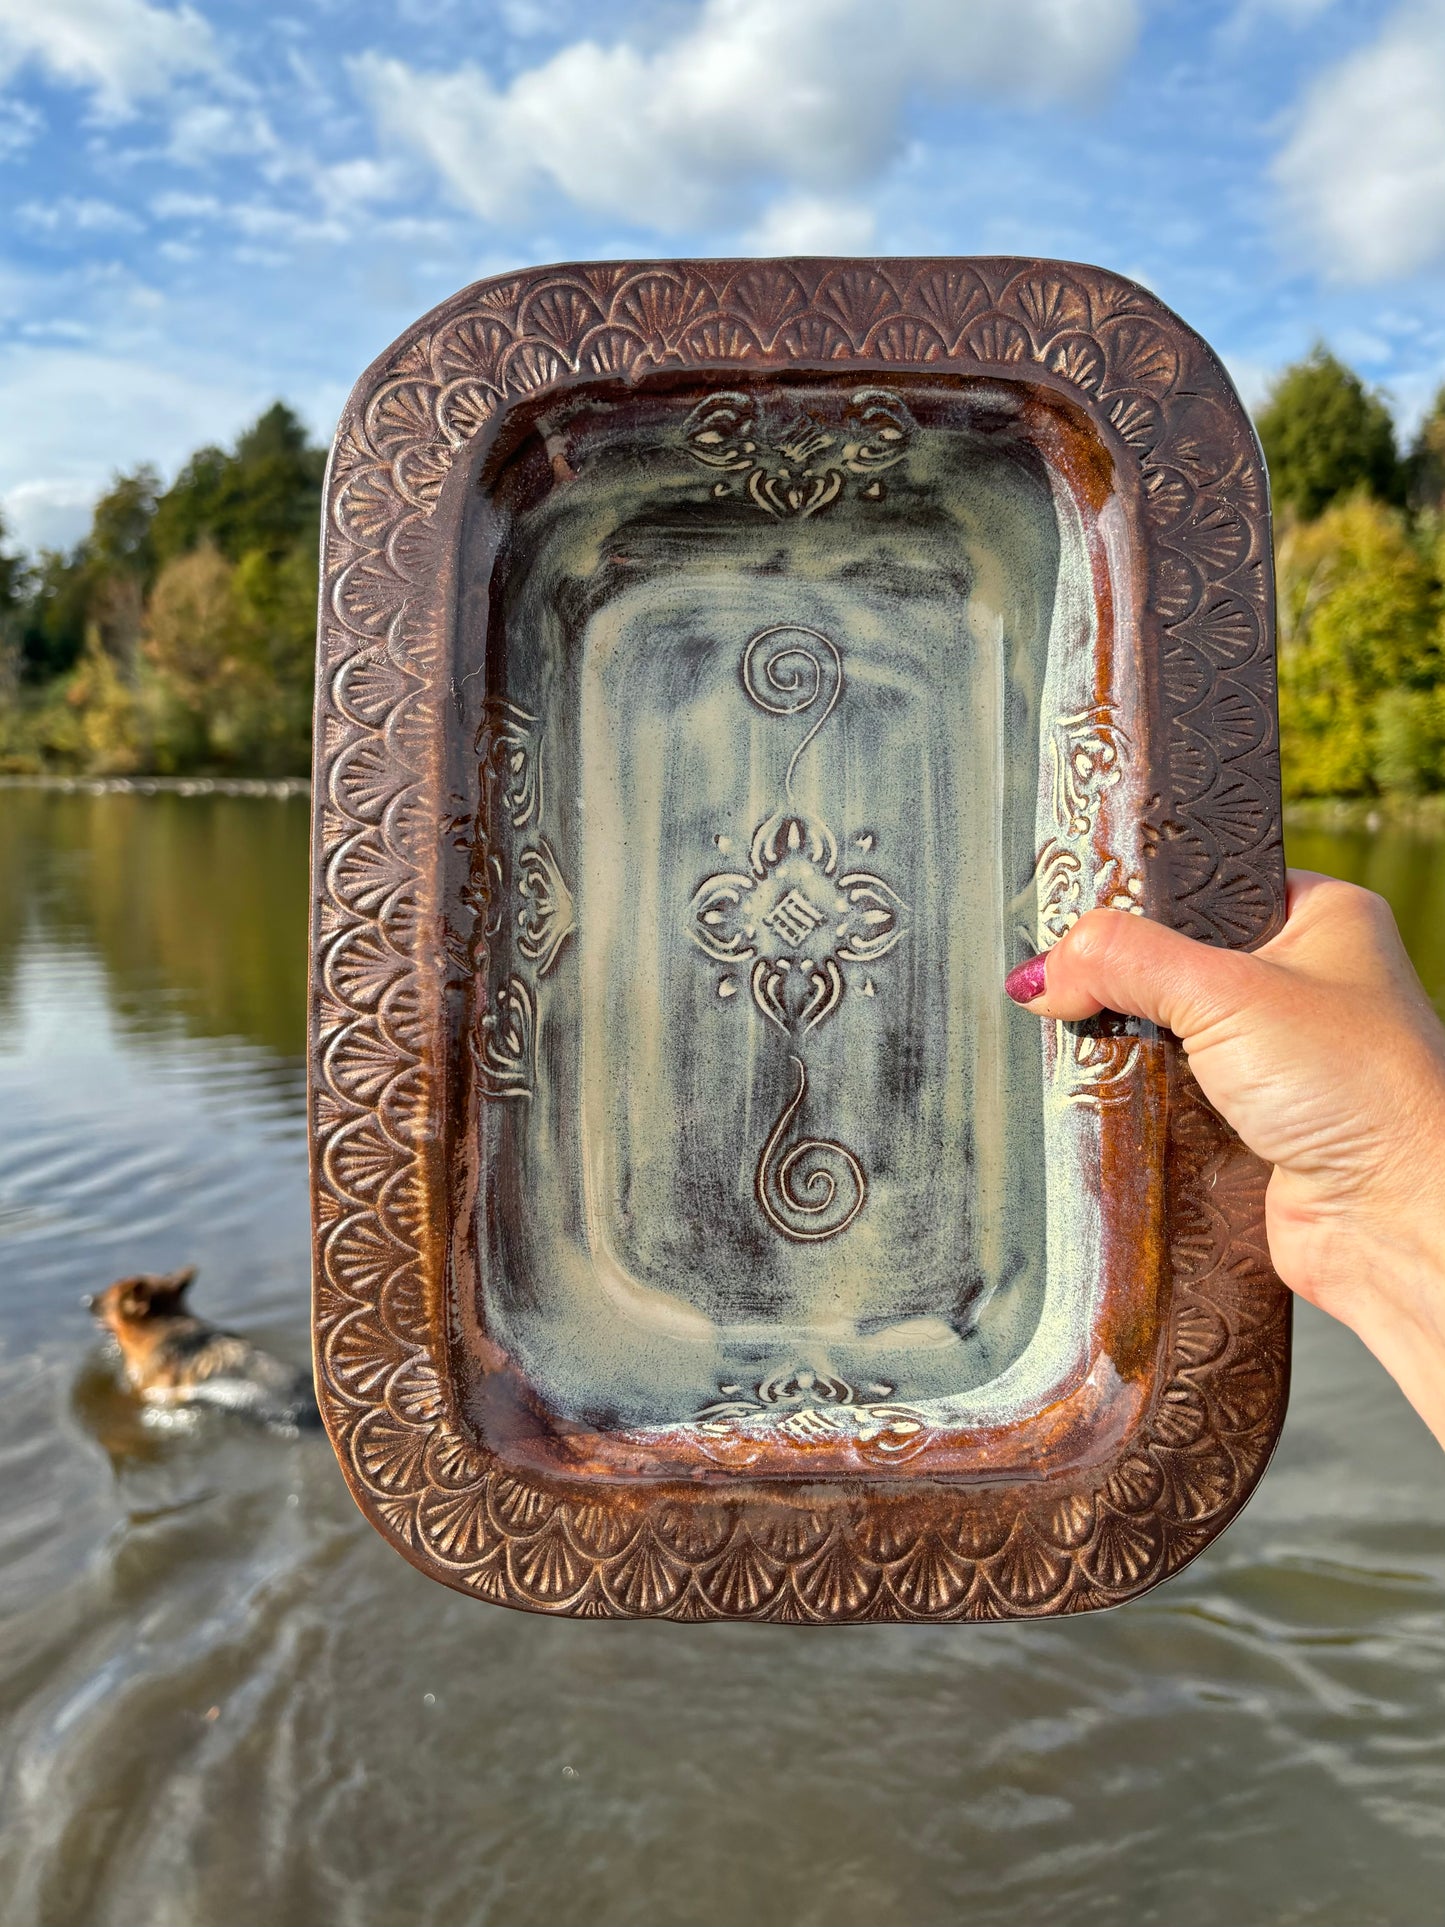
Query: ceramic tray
{"points": [[727, 670]]}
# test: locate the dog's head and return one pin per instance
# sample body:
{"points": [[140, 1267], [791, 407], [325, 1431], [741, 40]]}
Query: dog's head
{"points": [[131, 1301]]}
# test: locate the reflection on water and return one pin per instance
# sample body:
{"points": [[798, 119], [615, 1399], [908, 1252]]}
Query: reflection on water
{"points": [[195, 907], [224, 1699], [1407, 868]]}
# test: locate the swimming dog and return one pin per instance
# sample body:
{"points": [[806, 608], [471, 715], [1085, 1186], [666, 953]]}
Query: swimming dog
{"points": [[172, 1358]]}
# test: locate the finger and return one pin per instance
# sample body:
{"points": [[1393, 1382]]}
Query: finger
{"points": [[1336, 930], [1113, 960], [1308, 894], [1300, 886]]}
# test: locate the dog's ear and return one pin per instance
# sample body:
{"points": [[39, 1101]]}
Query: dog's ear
{"points": [[135, 1297], [166, 1293]]}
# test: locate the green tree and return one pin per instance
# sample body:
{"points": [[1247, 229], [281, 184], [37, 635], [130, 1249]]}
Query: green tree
{"points": [[120, 528], [264, 496], [109, 735], [119, 562], [52, 620], [179, 635], [1325, 435], [100, 583], [228, 660], [1360, 655], [1426, 463], [14, 577], [277, 602], [194, 649]]}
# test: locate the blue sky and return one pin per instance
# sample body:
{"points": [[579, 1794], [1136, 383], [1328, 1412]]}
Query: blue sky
{"points": [[208, 205]]}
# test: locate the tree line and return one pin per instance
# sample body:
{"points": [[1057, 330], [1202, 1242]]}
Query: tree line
{"points": [[178, 635], [1360, 574]]}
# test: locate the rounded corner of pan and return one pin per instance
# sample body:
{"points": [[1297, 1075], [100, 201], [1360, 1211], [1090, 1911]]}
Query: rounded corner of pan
{"points": [[1195, 494]]}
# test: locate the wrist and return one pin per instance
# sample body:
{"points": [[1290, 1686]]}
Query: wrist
{"points": [[1387, 1284]]}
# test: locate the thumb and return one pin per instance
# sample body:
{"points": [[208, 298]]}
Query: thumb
{"points": [[1115, 960]]}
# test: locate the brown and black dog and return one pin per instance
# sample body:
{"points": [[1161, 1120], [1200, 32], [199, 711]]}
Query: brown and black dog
{"points": [[173, 1358]]}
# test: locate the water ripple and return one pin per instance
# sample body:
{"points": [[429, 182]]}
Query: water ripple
{"points": [[223, 1698]]}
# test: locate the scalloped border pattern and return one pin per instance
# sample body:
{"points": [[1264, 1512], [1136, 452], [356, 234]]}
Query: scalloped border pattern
{"points": [[916, 1552]]}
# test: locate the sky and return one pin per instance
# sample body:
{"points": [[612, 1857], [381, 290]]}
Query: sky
{"points": [[206, 206]]}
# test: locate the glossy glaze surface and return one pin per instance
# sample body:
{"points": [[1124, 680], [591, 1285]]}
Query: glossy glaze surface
{"points": [[770, 789], [673, 1260]]}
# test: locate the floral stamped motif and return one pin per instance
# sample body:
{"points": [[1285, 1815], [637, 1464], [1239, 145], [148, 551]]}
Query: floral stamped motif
{"points": [[510, 753], [1094, 1062], [544, 906], [811, 1407], [507, 1049], [1100, 1059], [1088, 751], [1016, 1547], [519, 897], [796, 920], [791, 915], [799, 923], [790, 464]]}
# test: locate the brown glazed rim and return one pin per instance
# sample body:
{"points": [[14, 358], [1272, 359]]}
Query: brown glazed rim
{"points": [[386, 949]]}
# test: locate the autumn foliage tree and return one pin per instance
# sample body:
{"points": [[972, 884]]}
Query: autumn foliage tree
{"points": [[13, 582], [179, 635], [1362, 706], [1358, 566], [1426, 466], [1326, 435]]}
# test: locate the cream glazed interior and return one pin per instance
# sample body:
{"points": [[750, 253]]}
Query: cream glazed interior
{"points": [[801, 715]]}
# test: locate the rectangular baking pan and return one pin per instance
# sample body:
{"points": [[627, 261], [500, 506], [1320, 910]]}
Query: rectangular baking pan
{"points": [[727, 671]]}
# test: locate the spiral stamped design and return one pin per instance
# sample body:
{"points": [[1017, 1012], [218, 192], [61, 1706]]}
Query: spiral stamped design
{"points": [[799, 924], [814, 1190], [785, 670], [1189, 476]]}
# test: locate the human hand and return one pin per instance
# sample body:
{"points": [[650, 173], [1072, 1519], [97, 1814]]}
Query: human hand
{"points": [[1322, 1051]]}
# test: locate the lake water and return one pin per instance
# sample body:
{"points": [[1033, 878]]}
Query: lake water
{"points": [[223, 1700]]}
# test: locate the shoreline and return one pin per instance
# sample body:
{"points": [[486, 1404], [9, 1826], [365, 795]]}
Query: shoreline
{"points": [[279, 787], [1421, 814], [1424, 815]]}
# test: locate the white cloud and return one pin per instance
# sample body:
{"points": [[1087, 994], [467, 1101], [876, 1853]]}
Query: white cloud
{"points": [[207, 130], [813, 224], [1363, 173], [73, 416], [1412, 394], [263, 222], [19, 124], [123, 50], [1296, 13], [351, 187], [1252, 379], [47, 515], [257, 220], [1363, 346], [809, 93], [174, 205], [526, 18], [56, 328], [76, 214]]}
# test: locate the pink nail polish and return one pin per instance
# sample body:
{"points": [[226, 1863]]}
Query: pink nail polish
{"points": [[1026, 980]]}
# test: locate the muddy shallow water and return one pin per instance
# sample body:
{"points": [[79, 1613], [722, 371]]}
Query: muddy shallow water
{"points": [[224, 1700]]}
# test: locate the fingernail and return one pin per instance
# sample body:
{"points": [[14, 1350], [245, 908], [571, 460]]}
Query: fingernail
{"points": [[1026, 980]]}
